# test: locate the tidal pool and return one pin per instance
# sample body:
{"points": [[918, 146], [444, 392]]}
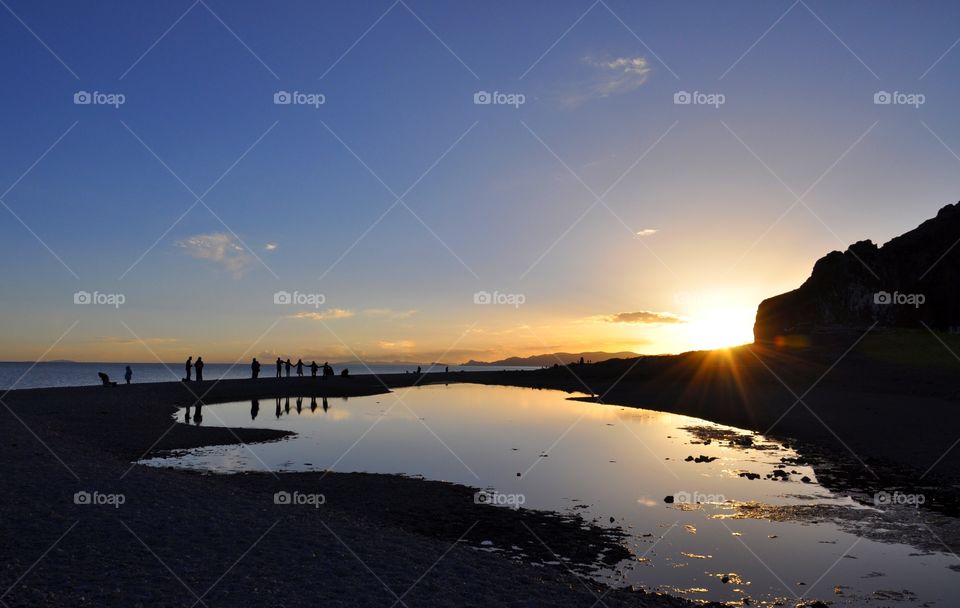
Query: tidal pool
{"points": [[716, 540]]}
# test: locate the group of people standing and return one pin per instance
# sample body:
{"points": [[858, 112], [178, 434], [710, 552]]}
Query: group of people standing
{"points": [[299, 365], [195, 366]]}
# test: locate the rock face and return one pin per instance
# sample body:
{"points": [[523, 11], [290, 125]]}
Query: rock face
{"points": [[913, 278]]}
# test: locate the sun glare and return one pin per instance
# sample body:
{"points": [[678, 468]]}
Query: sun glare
{"points": [[721, 328]]}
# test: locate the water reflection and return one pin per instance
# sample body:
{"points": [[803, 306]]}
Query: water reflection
{"points": [[697, 525]]}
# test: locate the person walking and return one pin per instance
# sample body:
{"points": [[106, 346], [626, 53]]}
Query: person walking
{"points": [[128, 375], [189, 367], [199, 367], [255, 368]]}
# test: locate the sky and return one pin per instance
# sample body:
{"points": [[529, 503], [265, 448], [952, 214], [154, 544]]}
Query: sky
{"points": [[432, 181]]}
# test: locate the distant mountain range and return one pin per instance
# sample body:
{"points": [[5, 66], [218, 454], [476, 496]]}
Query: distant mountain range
{"points": [[910, 281], [550, 359]]}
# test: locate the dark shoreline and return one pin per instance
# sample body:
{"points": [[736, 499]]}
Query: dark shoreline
{"points": [[95, 432]]}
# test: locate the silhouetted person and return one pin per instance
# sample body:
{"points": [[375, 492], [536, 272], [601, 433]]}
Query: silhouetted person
{"points": [[105, 379], [313, 403], [128, 375], [299, 405], [199, 367], [300, 368], [418, 370], [278, 408], [254, 408], [446, 370], [255, 368], [581, 360], [279, 366], [189, 368], [313, 368], [286, 367], [327, 370], [344, 372]]}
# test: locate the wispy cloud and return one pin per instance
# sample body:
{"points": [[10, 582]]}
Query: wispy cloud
{"points": [[270, 247], [611, 77], [641, 317], [124, 340], [324, 315], [218, 247], [647, 232], [397, 345]]}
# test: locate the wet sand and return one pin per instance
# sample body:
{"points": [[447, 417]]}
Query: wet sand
{"points": [[184, 539]]}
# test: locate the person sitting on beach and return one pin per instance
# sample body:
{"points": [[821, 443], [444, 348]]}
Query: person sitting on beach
{"points": [[105, 379], [286, 366], [255, 368], [128, 375], [199, 367], [313, 368], [300, 367], [279, 366], [189, 366], [345, 372]]}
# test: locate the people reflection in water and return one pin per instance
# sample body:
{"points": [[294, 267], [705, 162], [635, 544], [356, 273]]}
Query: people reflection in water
{"points": [[197, 415], [326, 406], [286, 405], [299, 404], [313, 404], [278, 408], [254, 408], [186, 414]]}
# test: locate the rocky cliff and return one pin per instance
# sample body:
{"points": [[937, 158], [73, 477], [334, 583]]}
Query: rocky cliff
{"points": [[913, 278]]}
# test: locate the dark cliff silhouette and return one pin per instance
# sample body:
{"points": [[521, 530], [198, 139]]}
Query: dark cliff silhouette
{"points": [[909, 281]]}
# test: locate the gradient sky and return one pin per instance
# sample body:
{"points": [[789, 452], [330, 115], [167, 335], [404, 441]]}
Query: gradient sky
{"points": [[699, 223]]}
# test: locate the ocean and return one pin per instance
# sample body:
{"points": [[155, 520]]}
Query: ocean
{"points": [[17, 375]]}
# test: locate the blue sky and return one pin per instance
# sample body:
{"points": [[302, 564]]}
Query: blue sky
{"points": [[500, 195]]}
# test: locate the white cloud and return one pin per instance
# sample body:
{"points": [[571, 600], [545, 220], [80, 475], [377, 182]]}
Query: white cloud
{"points": [[388, 313], [647, 232], [324, 315], [218, 247], [270, 247], [611, 77], [403, 345]]}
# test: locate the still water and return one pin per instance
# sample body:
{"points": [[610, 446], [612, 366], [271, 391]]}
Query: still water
{"points": [[612, 465]]}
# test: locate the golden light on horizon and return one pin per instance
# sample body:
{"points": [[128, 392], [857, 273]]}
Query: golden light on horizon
{"points": [[721, 328]]}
